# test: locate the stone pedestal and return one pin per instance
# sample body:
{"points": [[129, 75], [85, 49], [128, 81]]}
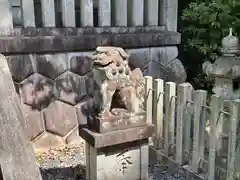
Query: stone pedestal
{"points": [[117, 155]]}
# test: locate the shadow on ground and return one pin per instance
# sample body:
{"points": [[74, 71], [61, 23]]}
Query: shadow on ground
{"points": [[66, 173]]}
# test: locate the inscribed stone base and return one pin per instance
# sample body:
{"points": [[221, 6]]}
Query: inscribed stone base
{"points": [[128, 161]]}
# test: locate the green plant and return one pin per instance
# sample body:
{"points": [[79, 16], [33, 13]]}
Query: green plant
{"points": [[204, 24]]}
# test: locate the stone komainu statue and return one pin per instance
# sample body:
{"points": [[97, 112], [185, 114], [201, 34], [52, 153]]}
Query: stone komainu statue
{"points": [[117, 87]]}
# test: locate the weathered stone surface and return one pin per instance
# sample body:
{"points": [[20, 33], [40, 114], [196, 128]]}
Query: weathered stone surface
{"points": [[48, 140], [178, 74], [85, 42], [73, 138], [127, 161], [81, 64], [82, 110], [17, 157], [99, 140], [6, 23], [76, 31], [165, 65], [89, 80], [70, 87], [20, 66], [37, 91], [33, 122], [51, 65], [163, 55], [139, 58], [174, 71], [118, 90], [17, 16], [60, 118]]}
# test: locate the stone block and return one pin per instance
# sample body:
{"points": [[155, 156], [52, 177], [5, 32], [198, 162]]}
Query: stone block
{"points": [[51, 65], [60, 118], [87, 41], [89, 80], [178, 71], [126, 161], [48, 140], [37, 91], [163, 55], [117, 122], [81, 64], [73, 138], [17, 159], [82, 110], [165, 65], [70, 87], [139, 58], [100, 140], [6, 24], [33, 122], [20, 66]]}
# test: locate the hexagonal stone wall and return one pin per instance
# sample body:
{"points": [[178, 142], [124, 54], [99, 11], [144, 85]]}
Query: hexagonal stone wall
{"points": [[60, 118], [70, 87], [37, 91], [55, 88]]}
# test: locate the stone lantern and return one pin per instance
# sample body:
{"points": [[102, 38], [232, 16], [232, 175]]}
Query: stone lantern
{"points": [[226, 69]]}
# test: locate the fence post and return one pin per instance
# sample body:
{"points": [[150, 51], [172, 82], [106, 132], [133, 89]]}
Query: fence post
{"points": [[68, 13], [184, 91], [86, 12], [215, 106], [149, 101], [48, 13], [28, 16], [120, 12], [169, 121], [158, 87], [199, 100], [104, 13], [151, 9], [169, 14], [136, 11], [6, 21], [149, 97], [232, 138]]}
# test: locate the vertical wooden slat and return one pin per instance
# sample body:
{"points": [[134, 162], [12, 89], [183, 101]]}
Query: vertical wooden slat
{"points": [[232, 139], [199, 100], [120, 12], [137, 12], [158, 87], [68, 13], [202, 131], [182, 97], [169, 14], [215, 106], [151, 12], [149, 97], [6, 20], [48, 13], [187, 118], [104, 13], [149, 101], [169, 120], [28, 15], [86, 11]]}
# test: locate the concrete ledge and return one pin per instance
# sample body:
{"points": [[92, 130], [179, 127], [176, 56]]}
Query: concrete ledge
{"points": [[100, 140], [74, 31], [85, 42]]}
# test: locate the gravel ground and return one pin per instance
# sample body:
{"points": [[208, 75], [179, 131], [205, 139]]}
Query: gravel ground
{"points": [[67, 163]]}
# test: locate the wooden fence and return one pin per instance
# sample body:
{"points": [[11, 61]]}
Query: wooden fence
{"points": [[182, 117], [88, 13]]}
